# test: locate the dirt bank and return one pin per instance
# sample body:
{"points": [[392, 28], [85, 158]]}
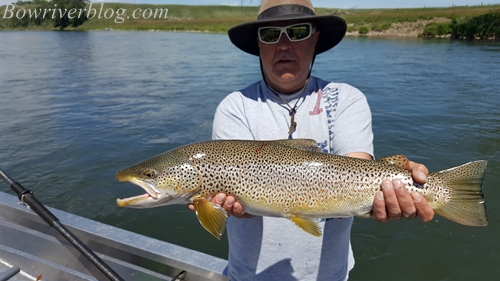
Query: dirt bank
{"points": [[405, 29]]}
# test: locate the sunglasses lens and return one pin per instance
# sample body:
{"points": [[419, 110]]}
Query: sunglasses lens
{"points": [[269, 35], [295, 33], [298, 32]]}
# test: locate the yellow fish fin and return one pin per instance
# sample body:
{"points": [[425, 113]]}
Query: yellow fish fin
{"points": [[307, 224], [366, 215], [211, 216], [466, 203], [302, 144], [397, 160]]}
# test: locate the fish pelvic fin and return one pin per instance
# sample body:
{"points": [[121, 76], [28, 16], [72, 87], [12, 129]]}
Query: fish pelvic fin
{"points": [[397, 160], [211, 216], [306, 224], [466, 205]]}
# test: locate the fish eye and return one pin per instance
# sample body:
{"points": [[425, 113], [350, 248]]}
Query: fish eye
{"points": [[151, 174]]}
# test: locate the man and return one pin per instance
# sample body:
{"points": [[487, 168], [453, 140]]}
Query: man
{"points": [[289, 103]]}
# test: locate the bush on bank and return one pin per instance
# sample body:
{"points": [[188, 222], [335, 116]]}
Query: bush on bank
{"points": [[486, 26], [363, 30], [42, 14], [437, 29], [483, 27]]}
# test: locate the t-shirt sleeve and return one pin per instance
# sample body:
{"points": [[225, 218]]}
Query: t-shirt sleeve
{"points": [[230, 121], [353, 123]]}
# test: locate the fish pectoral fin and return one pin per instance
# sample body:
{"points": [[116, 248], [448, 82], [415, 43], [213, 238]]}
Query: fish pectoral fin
{"points": [[397, 160], [306, 224], [211, 216]]}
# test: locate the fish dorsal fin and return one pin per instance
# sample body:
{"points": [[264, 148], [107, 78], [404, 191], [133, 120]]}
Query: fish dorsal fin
{"points": [[306, 224], [211, 216], [397, 160], [302, 144]]}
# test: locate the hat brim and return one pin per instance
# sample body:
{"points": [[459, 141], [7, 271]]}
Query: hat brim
{"points": [[332, 28]]}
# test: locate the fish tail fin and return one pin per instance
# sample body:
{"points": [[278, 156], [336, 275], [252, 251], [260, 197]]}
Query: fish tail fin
{"points": [[466, 203]]}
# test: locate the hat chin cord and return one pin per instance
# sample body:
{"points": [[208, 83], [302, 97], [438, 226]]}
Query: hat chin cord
{"points": [[293, 110]]}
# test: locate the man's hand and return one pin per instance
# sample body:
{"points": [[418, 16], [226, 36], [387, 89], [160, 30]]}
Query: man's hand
{"points": [[229, 203], [395, 202]]}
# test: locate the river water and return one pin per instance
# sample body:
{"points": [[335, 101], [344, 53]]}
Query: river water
{"points": [[75, 107]]}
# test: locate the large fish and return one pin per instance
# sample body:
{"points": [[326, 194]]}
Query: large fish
{"points": [[295, 180]]}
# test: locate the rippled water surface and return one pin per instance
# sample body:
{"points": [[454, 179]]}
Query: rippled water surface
{"points": [[77, 107]]}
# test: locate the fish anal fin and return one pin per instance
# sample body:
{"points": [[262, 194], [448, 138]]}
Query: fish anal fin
{"points": [[306, 224], [302, 144], [366, 215], [397, 160], [211, 216]]}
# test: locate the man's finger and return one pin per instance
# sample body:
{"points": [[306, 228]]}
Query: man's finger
{"points": [[419, 172], [238, 209], [391, 200], [219, 198], [379, 211], [405, 201], [424, 210], [228, 204]]}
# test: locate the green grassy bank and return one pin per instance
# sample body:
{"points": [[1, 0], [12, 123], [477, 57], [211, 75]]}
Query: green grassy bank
{"points": [[484, 26], [119, 16]]}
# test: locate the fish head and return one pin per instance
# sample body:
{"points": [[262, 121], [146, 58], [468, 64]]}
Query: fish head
{"points": [[166, 181]]}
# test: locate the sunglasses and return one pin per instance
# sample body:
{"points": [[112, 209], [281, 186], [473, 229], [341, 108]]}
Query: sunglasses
{"points": [[294, 32]]}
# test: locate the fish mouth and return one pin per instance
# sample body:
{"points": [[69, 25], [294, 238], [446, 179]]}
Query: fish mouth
{"points": [[132, 201], [144, 200]]}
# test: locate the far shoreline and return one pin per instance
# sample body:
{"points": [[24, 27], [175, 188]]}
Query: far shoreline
{"points": [[390, 23], [387, 35]]}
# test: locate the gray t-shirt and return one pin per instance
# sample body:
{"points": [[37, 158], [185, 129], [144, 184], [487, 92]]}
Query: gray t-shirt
{"points": [[337, 116]]}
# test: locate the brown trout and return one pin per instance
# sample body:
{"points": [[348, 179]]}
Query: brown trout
{"points": [[295, 180]]}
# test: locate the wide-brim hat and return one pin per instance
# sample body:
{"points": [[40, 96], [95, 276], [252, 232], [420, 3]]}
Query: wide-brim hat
{"points": [[332, 28]]}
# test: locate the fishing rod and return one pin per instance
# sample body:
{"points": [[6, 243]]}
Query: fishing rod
{"points": [[6, 275], [27, 197]]}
